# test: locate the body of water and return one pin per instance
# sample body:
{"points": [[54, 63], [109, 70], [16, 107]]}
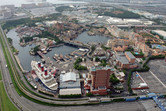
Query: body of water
{"points": [[25, 58], [85, 38]]}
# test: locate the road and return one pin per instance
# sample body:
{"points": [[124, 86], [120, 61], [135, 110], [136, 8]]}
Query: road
{"points": [[11, 92]]}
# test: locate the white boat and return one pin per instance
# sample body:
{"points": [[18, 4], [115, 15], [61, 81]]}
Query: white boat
{"points": [[45, 76]]}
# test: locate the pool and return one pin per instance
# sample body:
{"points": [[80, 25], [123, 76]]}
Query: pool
{"points": [[136, 53], [137, 75]]}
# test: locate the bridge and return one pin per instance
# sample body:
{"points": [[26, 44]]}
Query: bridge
{"points": [[81, 45], [141, 26], [47, 59]]}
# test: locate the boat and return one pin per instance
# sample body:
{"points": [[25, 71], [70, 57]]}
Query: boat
{"points": [[45, 76], [50, 49]]}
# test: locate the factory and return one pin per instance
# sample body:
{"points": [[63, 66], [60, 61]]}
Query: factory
{"points": [[160, 32], [69, 84], [6, 11], [125, 60], [119, 21]]}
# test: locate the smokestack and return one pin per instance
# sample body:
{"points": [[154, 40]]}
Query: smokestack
{"points": [[42, 68], [39, 64], [45, 72]]}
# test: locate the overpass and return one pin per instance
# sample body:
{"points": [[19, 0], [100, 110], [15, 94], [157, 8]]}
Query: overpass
{"points": [[77, 45], [141, 26], [80, 46]]}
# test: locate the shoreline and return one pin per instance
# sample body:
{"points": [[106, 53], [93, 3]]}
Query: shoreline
{"points": [[19, 63]]}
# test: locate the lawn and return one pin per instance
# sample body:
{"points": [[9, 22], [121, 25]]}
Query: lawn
{"points": [[144, 34], [119, 13], [0, 76], [5, 103]]}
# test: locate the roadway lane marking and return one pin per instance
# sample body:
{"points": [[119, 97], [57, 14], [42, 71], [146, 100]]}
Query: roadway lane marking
{"points": [[157, 78]]}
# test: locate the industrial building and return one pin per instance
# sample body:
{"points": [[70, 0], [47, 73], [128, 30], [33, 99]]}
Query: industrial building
{"points": [[28, 6], [6, 11], [69, 84], [161, 33], [125, 60]]}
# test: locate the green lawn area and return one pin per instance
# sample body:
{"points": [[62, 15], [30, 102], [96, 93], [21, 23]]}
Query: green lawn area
{"points": [[0, 76], [5, 103]]}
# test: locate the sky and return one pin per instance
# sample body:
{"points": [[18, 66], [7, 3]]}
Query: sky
{"points": [[19, 2]]}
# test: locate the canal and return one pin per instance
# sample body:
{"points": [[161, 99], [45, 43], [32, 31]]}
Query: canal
{"points": [[25, 58], [85, 38]]}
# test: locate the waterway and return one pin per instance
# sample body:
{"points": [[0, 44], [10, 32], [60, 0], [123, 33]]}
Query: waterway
{"points": [[85, 38], [25, 58]]}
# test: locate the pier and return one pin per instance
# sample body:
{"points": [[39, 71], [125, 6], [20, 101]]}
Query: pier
{"points": [[46, 59]]}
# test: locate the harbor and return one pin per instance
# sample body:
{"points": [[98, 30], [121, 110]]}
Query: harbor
{"points": [[68, 51]]}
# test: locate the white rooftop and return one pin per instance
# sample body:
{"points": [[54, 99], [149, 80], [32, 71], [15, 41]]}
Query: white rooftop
{"points": [[70, 76], [122, 74], [161, 32], [70, 91]]}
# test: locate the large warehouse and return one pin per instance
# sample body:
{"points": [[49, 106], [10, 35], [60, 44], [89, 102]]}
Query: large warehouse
{"points": [[161, 33]]}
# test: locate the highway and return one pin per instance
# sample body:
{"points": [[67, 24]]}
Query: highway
{"points": [[11, 92], [10, 89]]}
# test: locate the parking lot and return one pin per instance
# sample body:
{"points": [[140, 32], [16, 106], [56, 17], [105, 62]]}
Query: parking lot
{"points": [[155, 77], [136, 80], [158, 67], [150, 105], [154, 85]]}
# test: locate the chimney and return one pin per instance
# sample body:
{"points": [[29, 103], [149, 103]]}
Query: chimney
{"points": [[45, 72]]}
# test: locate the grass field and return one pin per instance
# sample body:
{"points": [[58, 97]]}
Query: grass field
{"points": [[0, 76], [5, 103]]}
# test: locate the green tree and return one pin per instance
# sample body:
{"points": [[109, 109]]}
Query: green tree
{"points": [[113, 79], [148, 43], [78, 66], [103, 63], [10, 40], [97, 59], [35, 49], [89, 94]]}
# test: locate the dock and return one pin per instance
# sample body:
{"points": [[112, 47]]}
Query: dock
{"points": [[46, 59]]}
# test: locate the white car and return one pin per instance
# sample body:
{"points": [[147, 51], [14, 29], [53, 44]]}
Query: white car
{"points": [[6, 65]]}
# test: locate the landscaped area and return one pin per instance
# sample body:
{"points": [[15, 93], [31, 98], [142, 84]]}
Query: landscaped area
{"points": [[119, 13], [5, 103], [0, 76]]}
